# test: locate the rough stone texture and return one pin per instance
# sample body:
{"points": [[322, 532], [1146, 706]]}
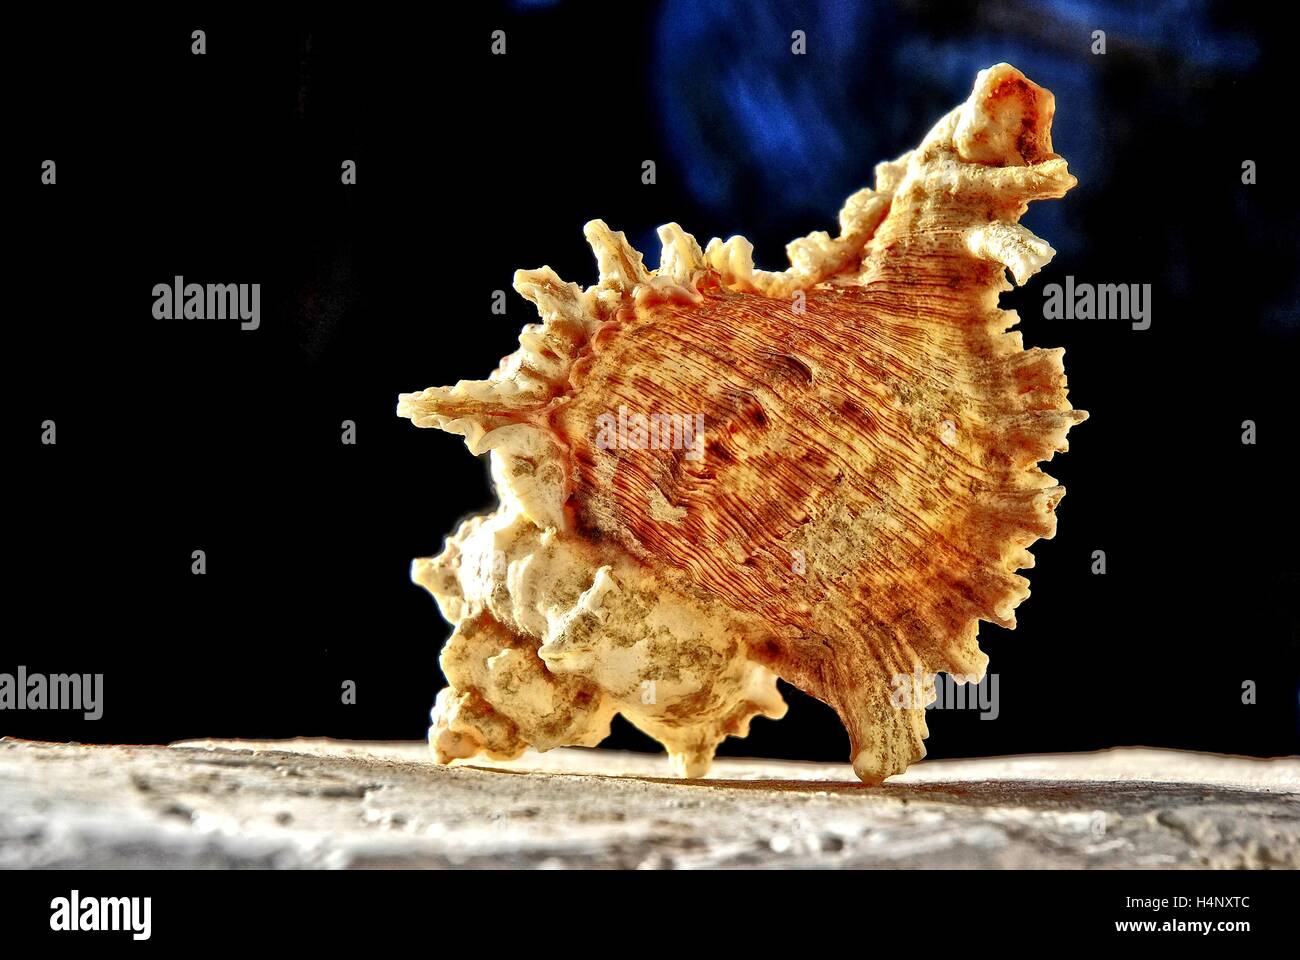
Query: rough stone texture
{"points": [[319, 803]]}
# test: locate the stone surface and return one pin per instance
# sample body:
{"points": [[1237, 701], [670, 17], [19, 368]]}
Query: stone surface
{"points": [[320, 803]]}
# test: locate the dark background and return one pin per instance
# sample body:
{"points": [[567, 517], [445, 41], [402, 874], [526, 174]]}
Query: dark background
{"points": [[182, 435]]}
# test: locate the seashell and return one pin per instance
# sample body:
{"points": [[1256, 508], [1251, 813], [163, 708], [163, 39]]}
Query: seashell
{"points": [[711, 476]]}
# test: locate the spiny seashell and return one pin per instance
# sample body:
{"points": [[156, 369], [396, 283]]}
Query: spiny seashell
{"points": [[711, 476]]}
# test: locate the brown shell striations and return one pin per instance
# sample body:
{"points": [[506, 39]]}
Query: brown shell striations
{"points": [[712, 476]]}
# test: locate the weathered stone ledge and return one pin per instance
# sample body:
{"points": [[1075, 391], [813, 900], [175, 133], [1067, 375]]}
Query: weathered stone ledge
{"points": [[320, 803]]}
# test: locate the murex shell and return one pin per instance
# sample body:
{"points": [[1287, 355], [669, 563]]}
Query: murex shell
{"points": [[712, 476]]}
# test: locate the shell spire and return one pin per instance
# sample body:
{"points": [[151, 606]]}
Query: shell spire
{"points": [[712, 476]]}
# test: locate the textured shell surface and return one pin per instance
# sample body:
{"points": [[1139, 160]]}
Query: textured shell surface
{"points": [[711, 476]]}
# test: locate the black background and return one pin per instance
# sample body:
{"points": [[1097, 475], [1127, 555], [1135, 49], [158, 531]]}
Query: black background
{"points": [[182, 435]]}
